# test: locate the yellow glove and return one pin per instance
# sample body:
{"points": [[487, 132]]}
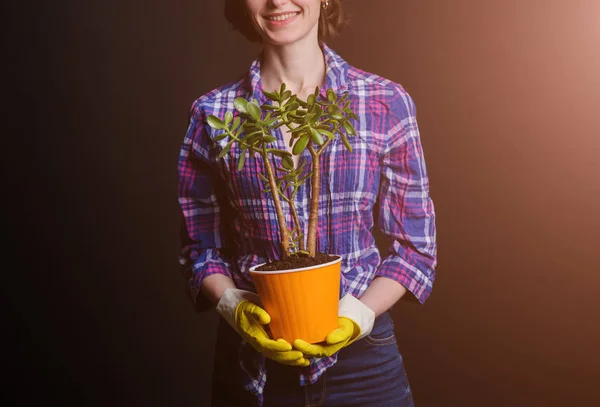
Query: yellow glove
{"points": [[239, 308], [336, 340], [250, 319], [355, 321]]}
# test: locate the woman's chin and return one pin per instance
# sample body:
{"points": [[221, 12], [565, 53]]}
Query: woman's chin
{"points": [[282, 39]]}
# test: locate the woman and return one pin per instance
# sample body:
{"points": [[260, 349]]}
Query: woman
{"points": [[360, 364]]}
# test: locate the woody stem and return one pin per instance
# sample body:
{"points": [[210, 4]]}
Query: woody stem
{"points": [[311, 240], [283, 230]]}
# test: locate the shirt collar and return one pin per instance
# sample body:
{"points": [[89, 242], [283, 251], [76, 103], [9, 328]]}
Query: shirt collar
{"points": [[336, 70]]}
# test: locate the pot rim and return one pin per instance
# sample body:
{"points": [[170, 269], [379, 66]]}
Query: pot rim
{"points": [[253, 268]]}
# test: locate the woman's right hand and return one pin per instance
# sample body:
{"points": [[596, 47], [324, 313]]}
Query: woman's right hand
{"points": [[250, 320], [241, 310]]}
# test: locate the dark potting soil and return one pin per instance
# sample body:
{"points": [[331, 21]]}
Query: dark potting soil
{"points": [[297, 262]]}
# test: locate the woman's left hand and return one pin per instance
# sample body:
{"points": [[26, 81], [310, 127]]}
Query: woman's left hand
{"points": [[343, 336], [355, 321]]}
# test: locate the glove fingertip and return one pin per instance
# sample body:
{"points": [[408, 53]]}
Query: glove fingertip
{"points": [[262, 316], [300, 345], [335, 337]]}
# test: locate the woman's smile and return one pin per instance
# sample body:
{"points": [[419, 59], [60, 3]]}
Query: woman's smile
{"points": [[280, 19]]}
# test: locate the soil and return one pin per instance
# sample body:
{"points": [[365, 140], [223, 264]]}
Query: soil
{"points": [[297, 262]]}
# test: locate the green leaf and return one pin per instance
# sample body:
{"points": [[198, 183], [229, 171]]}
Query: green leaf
{"points": [[293, 106], [309, 118], [214, 122], [332, 109], [236, 123], [318, 112], [269, 139], [337, 116], [228, 117], [252, 134], [349, 128], [253, 110], [352, 115], [282, 89], [225, 149], [271, 121], [346, 143], [311, 99], [240, 105], [263, 177], [316, 137], [286, 95], [220, 137], [301, 144], [299, 128], [288, 163], [279, 153], [331, 96], [241, 161], [271, 95], [327, 133]]}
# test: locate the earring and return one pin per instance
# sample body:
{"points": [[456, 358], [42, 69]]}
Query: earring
{"points": [[325, 4]]}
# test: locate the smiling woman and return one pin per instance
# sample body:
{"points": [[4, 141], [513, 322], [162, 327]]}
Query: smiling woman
{"points": [[331, 21], [230, 227]]}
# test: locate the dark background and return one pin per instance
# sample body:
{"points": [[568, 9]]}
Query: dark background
{"points": [[508, 97]]}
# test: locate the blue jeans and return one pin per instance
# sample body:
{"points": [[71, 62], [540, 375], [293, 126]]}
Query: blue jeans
{"points": [[368, 373]]}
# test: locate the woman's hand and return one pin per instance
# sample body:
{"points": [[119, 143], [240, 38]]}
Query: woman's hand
{"points": [[337, 339], [355, 321], [250, 319], [241, 310]]}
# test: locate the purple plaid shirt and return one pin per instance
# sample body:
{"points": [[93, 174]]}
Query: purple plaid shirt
{"points": [[382, 184]]}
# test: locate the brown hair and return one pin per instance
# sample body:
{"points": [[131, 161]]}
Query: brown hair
{"points": [[331, 20]]}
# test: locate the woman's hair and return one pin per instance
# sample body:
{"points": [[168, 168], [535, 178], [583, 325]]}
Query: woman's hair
{"points": [[331, 19]]}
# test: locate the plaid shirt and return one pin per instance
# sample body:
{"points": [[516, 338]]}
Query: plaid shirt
{"points": [[382, 184]]}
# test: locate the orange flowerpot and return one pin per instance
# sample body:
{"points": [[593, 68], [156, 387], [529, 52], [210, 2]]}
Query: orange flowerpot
{"points": [[302, 303]]}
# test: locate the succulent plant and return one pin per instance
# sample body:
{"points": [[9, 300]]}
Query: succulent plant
{"points": [[312, 123]]}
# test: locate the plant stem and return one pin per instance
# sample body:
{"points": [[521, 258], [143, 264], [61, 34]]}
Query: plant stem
{"points": [[298, 229], [283, 230], [297, 222], [311, 240]]}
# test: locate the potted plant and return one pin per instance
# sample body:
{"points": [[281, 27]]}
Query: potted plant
{"points": [[300, 291]]}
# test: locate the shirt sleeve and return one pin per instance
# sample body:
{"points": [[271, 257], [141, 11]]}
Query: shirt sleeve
{"points": [[202, 232], [406, 213]]}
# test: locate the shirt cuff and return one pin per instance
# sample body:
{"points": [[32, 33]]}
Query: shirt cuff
{"points": [[199, 272], [413, 279]]}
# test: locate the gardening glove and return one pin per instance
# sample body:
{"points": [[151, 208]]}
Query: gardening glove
{"points": [[239, 308], [355, 321]]}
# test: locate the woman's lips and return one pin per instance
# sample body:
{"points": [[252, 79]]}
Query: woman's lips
{"points": [[281, 18]]}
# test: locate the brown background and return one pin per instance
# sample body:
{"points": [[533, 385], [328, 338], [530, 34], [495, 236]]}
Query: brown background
{"points": [[508, 97]]}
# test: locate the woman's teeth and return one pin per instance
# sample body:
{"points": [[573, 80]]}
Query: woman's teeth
{"points": [[281, 17]]}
